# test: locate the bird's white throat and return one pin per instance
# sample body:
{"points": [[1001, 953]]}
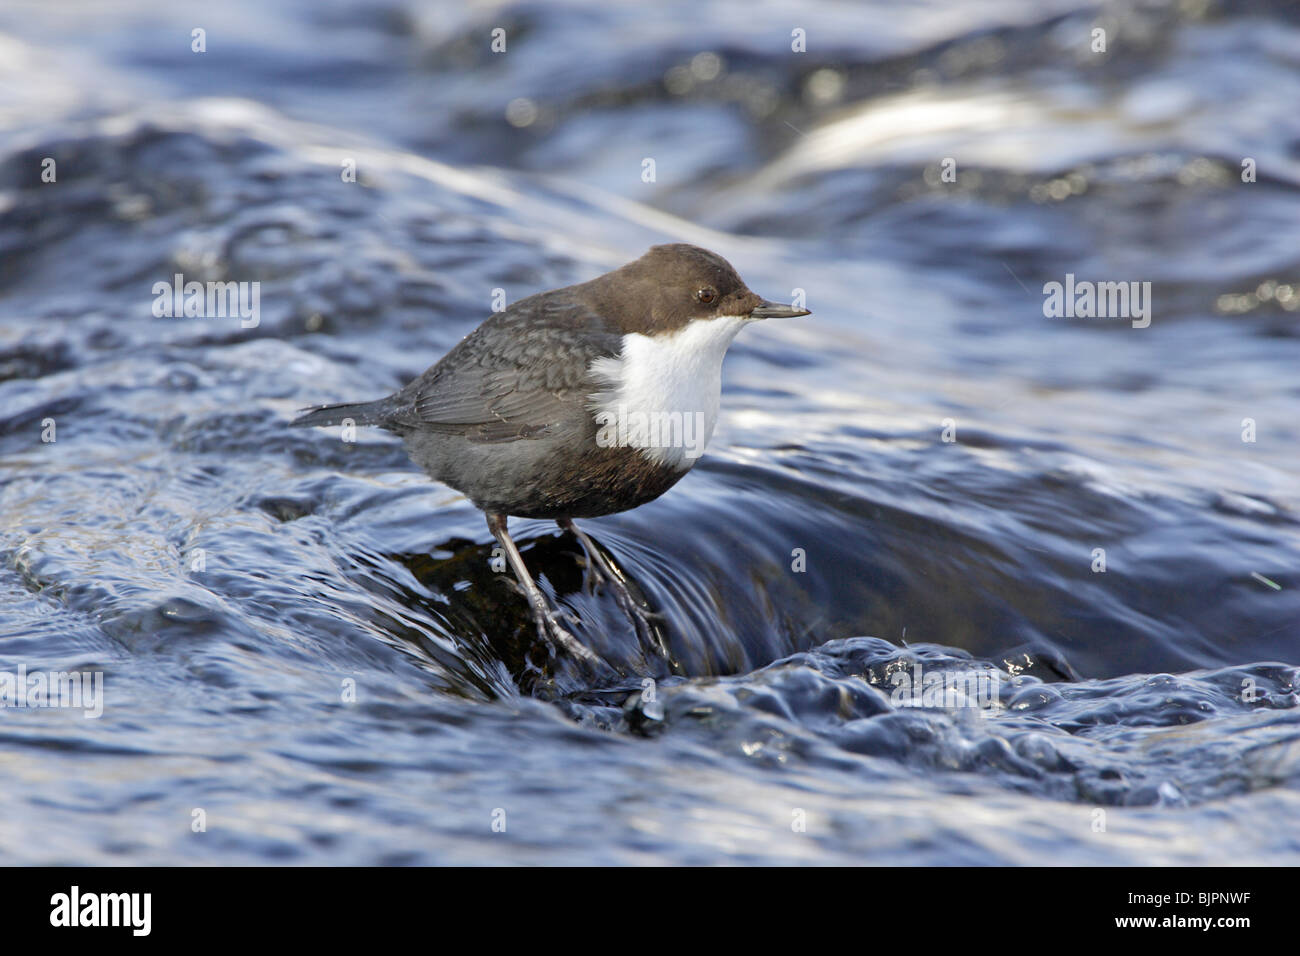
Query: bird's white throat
{"points": [[661, 394]]}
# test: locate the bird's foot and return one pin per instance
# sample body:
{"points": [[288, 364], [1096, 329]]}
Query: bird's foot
{"points": [[551, 630], [644, 620]]}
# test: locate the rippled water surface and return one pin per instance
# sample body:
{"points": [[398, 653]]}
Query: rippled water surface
{"points": [[238, 583]]}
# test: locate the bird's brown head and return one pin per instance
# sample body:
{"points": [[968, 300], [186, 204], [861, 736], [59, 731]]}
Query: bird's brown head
{"points": [[675, 284]]}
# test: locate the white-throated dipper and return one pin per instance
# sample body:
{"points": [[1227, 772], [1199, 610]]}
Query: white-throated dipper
{"points": [[582, 401]]}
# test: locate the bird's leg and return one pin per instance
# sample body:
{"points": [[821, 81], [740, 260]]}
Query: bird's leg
{"points": [[548, 623], [604, 571]]}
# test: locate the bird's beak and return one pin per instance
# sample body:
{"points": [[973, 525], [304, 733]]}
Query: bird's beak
{"points": [[775, 310]]}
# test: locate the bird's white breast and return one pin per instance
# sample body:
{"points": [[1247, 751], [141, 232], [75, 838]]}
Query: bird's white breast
{"points": [[661, 394]]}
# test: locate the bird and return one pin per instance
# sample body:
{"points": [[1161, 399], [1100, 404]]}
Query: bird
{"points": [[579, 402]]}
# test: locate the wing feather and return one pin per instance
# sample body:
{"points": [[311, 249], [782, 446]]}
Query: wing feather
{"points": [[515, 377]]}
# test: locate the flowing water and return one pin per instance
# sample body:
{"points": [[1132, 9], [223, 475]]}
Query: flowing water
{"points": [[1087, 525]]}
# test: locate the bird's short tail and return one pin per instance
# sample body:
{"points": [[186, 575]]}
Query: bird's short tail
{"points": [[358, 413]]}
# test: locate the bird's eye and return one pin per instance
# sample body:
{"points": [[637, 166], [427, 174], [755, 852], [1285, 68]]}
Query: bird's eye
{"points": [[706, 295]]}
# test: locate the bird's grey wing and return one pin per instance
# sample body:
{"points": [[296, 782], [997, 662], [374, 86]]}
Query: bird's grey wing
{"points": [[515, 377]]}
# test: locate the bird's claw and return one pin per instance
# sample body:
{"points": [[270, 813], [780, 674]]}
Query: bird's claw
{"points": [[643, 619], [553, 632]]}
